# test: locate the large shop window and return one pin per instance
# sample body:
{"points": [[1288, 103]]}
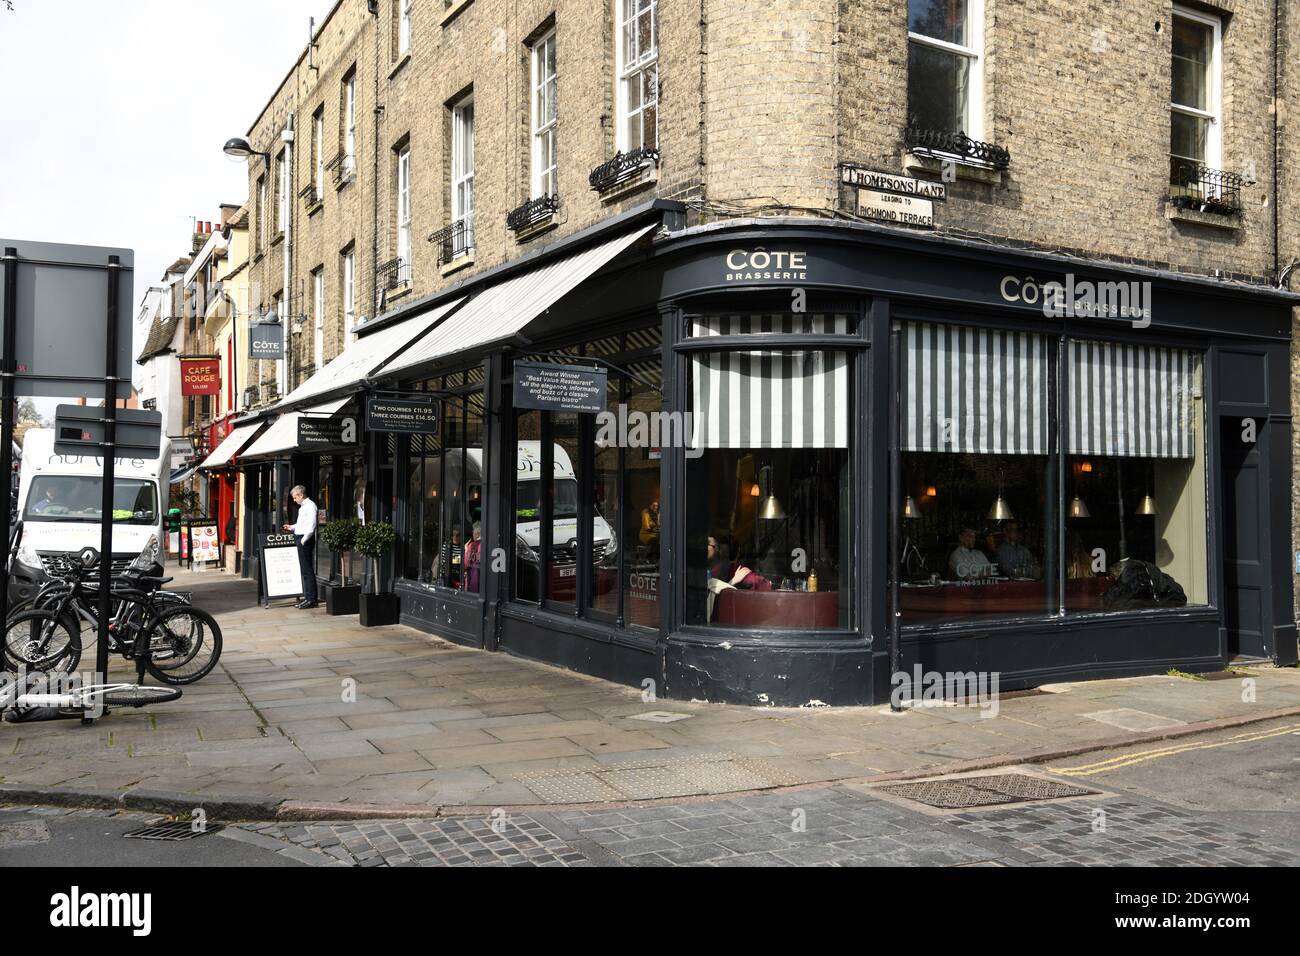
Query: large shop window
{"points": [[769, 496], [572, 474], [981, 537], [444, 501], [1136, 478]]}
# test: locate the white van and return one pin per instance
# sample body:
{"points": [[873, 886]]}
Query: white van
{"points": [[564, 521], [60, 499]]}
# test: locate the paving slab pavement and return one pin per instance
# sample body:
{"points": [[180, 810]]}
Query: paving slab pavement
{"points": [[310, 709]]}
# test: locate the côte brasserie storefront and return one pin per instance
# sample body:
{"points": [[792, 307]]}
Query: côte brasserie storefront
{"points": [[828, 452]]}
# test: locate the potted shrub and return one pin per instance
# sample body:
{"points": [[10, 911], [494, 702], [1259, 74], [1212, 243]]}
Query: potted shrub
{"points": [[374, 541], [340, 536]]}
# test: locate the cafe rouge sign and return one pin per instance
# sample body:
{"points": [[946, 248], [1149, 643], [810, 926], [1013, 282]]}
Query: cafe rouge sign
{"points": [[200, 376]]}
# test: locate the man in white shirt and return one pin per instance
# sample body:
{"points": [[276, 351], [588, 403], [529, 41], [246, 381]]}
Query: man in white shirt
{"points": [[966, 561], [304, 530]]}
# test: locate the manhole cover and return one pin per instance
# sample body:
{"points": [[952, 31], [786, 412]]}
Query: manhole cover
{"points": [[175, 830], [965, 792]]}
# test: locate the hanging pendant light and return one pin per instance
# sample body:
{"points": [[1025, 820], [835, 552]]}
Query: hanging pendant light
{"points": [[1000, 511], [909, 508], [772, 510], [1147, 506], [1078, 509]]}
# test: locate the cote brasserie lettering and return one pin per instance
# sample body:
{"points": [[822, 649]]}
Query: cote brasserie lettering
{"points": [[748, 265]]}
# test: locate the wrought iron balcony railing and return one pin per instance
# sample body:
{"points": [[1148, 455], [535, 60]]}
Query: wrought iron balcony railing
{"points": [[533, 211], [454, 241], [1196, 186], [621, 168], [949, 143], [394, 273]]}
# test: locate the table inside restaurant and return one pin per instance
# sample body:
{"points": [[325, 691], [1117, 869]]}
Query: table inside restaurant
{"points": [[786, 609], [1000, 597]]}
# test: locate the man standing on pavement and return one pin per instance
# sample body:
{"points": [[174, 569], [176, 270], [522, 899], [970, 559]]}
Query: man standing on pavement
{"points": [[304, 531]]}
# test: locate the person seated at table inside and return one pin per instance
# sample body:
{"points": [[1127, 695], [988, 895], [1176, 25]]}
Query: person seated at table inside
{"points": [[650, 524], [966, 560], [1012, 557], [723, 572]]}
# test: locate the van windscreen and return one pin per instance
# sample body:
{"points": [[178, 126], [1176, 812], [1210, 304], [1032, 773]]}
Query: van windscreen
{"points": [[566, 498], [80, 497]]}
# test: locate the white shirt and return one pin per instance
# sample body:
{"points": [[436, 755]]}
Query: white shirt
{"points": [[968, 562], [305, 526]]}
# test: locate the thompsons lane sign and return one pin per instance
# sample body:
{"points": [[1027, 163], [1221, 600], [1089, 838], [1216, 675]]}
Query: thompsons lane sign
{"points": [[886, 182]]}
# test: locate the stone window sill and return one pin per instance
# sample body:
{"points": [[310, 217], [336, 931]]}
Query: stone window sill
{"points": [[277, 239], [1208, 219], [536, 228], [460, 262], [933, 165], [406, 58], [398, 291], [315, 207], [648, 176], [454, 10]]}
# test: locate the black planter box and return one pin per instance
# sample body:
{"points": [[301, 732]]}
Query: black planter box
{"points": [[341, 598], [379, 609]]}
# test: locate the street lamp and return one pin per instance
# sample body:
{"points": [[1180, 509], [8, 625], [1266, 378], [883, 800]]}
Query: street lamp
{"points": [[239, 147]]}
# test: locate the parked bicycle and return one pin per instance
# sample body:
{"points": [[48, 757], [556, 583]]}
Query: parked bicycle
{"points": [[176, 642]]}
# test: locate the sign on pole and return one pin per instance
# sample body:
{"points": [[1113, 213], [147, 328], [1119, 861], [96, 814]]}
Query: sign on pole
{"points": [[560, 388], [59, 319], [409, 414], [201, 376], [81, 429]]}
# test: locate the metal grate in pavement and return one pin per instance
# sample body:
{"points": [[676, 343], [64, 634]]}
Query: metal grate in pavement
{"points": [[998, 789], [174, 830]]}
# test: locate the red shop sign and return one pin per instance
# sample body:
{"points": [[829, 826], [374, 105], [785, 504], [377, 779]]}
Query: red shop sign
{"points": [[200, 376]]}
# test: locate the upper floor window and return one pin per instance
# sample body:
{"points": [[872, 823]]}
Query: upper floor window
{"points": [[261, 212], [404, 213], [281, 193], [1195, 129], [545, 117], [945, 69], [350, 123], [638, 75], [462, 169], [349, 293], [318, 152], [404, 26], [318, 316]]}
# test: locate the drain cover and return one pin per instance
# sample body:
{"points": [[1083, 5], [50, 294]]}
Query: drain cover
{"points": [[174, 831], [989, 791]]}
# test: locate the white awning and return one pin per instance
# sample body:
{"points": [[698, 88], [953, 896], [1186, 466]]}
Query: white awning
{"points": [[504, 309], [283, 433], [231, 445], [368, 353]]}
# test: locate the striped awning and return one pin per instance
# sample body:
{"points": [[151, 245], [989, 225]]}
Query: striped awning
{"points": [[792, 398], [1131, 400], [973, 391]]}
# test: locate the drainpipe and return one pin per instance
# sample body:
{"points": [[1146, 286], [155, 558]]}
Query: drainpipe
{"points": [[374, 182], [281, 368]]}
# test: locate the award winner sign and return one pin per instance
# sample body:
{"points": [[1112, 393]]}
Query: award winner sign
{"points": [[560, 388], [409, 414]]}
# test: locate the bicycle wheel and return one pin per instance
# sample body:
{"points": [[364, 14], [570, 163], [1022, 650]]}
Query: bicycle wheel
{"points": [[184, 645], [140, 696], [40, 640]]}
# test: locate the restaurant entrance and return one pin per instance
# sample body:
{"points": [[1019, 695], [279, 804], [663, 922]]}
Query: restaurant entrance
{"points": [[1245, 536]]}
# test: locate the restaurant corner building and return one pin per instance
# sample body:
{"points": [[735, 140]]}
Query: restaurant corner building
{"points": [[829, 443]]}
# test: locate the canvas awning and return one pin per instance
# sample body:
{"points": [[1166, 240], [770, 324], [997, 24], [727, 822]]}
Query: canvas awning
{"points": [[361, 358], [282, 436], [231, 445], [1132, 400], [501, 311]]}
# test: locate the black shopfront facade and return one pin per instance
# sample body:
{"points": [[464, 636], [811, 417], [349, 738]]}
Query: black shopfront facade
{"points": [[835, 452]]}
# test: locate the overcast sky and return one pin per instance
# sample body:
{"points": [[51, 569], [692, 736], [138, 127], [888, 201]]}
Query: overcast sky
{"points": [[114, 113]]}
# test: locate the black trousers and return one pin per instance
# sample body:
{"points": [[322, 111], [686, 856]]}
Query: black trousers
{"points": [[307, 562]]}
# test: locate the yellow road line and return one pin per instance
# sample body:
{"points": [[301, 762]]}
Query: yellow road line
{"points": [[1127, 760]]}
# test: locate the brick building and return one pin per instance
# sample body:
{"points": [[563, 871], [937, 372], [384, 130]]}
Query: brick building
{"points": [[885, 190]]}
